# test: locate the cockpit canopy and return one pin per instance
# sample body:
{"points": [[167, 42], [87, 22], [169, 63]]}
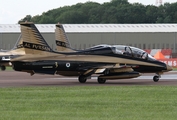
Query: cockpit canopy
{"points": [[132, 52]]}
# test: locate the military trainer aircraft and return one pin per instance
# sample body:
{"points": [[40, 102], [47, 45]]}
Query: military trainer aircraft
{"points": [[108, 61], [17, 50], [5, 55]]}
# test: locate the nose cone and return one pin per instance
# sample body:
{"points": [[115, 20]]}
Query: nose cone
{"points": [[169, 68]]}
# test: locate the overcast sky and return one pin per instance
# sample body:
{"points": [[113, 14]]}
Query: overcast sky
{"points": [[11, 11]]}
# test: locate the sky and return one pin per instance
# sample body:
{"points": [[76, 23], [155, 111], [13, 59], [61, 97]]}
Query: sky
{"points": [[11, 11]]}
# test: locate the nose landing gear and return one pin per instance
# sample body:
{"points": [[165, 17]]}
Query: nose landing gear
{"points": [[156, 77]]}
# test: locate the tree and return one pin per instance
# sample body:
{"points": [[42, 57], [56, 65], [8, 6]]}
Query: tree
{"points": [[71, 17], [95, 15], [27, 18], [36, 19], [115, 11], [119, 2], [151, 14], [109, 15]]}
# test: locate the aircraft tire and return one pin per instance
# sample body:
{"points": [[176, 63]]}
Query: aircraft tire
{"points": [[3, 68], [101, 80], [156, 78], [82, 79]]}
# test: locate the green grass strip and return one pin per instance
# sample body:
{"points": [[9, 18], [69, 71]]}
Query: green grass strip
{"points": [[89, 103]]}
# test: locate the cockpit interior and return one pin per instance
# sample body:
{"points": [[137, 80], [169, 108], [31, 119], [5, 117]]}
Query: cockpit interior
{"points": [[132, 51]]}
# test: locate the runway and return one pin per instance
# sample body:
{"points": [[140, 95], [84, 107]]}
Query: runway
{"points": [[22, 79]]}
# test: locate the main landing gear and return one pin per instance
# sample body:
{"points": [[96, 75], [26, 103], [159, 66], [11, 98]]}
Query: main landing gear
{"points": [[156, 78], [3, 68], [82, 78], [101, 80]]}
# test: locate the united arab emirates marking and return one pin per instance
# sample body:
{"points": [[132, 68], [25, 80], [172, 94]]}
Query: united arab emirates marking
{"points": [[67, 64]]}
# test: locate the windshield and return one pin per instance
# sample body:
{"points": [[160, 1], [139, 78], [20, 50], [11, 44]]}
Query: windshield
{"points": [[151, 58], [132, 51], [118, 49]]}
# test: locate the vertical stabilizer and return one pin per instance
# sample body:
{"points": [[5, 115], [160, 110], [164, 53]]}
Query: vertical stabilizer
{"points": [[62, 42], [33, 42]]}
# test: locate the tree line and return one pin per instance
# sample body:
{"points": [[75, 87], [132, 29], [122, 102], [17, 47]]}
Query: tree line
{"points": [[115, 11]]}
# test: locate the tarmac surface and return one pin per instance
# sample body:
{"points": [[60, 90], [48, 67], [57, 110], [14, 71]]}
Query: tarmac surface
{"points": [[22, 79]]}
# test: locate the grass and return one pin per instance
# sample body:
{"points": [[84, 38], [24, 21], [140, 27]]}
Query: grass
{"points": [[89, 103], [174, 69], [8, 68]]}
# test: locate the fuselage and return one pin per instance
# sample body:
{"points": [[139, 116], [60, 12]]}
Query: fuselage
{"points": [[76, 63]]}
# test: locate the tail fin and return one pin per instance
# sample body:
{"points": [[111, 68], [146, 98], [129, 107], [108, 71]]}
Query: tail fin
{"points": [[33, 42], [62, 42]]}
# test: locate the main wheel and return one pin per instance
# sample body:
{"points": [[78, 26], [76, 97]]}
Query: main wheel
{"points": [[82, 79], [156, 78], [101, 80], [3, 68]]}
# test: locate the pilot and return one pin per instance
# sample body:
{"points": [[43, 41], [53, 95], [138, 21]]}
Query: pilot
{"points": [[118, 51], [126, 53]]}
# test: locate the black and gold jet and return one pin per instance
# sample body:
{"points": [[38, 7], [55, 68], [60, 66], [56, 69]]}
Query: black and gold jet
{"points": [[108, 61], [5, 55]]}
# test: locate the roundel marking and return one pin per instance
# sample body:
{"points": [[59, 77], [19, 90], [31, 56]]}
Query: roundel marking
{"points": [[67, 64]]}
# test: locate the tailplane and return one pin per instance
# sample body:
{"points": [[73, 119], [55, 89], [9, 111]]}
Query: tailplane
{"points": [[33, 42], [62, 42]]}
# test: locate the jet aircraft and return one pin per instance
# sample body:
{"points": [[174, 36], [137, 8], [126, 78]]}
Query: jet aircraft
{"points": [[110, 62], [17, 50], [5, 55]]}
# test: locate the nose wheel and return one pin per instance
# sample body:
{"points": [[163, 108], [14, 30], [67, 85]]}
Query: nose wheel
{"points": [[156, 78]]}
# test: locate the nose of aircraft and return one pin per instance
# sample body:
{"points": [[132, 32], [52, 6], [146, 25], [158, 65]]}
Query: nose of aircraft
{"points": [[169, 68]]}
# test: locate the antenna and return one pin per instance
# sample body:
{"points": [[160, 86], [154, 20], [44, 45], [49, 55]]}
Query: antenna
{"points": [[159, 2]]}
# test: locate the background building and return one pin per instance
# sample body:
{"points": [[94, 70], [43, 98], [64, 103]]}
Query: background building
{"points": [[81, 36]]}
